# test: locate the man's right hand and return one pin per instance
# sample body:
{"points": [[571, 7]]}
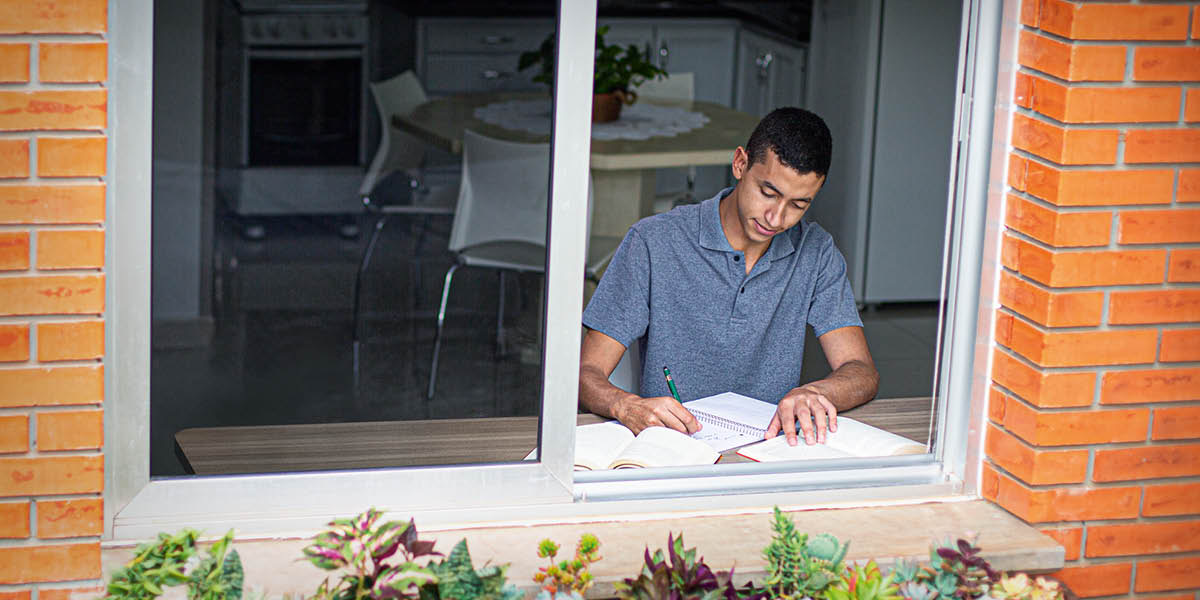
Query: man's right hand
{"points": [[638, 413]]}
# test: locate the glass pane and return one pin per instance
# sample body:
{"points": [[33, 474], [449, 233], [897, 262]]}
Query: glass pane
{"points": [[344, 275]]}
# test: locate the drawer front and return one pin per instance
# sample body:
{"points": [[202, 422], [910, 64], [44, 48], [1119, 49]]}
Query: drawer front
{"points": [[499, 36], [456, 74]]}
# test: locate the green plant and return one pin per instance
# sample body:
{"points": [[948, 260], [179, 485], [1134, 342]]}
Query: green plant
{"points": [[957, 571], [457, 578], [864, 582], [568, 576], [171, 560], [616, 68], [362, 546], [1021, 587], [679, 575], [797, 566]]}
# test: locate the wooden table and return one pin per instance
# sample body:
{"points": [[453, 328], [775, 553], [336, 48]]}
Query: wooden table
{"points": [[333, 446], [622, 170]]}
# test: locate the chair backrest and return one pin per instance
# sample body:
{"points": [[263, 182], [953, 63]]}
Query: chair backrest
{"points": [[397, 150], [398, 95], [504, 192], [677, 86]]}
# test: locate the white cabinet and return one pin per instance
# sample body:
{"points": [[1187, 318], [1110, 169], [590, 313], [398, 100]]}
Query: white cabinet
{"points": [[882, 75], [456, 56], [770, 73]]}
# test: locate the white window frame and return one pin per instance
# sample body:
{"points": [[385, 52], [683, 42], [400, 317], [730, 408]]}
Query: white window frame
{"points": [[137, 507]]}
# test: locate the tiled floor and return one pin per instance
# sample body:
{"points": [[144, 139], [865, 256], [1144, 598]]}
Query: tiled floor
{"points": [[281, 352]]}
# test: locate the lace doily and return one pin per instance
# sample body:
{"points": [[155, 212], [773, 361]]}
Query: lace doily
{"points": [[639, 121]]}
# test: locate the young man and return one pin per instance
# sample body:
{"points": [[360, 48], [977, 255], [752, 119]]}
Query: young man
{"points": [[720, 292]]}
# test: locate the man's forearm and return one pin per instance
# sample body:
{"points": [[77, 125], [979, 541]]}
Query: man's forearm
{"points": [[597, 394], [852, 384]]}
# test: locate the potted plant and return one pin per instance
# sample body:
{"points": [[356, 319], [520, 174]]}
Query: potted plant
{"points": [[617, 71]]}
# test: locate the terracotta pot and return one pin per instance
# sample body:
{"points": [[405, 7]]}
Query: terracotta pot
{"points": [[607, 107]]}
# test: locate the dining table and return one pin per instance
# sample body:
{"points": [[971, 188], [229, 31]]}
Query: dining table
{"points": [[623, 170]]}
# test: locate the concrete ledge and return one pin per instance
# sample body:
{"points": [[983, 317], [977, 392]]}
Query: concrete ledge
{"points": [[883, 533]]}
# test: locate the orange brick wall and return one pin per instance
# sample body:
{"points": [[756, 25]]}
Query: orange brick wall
{"points": [[1094, 432], [53, 157]]}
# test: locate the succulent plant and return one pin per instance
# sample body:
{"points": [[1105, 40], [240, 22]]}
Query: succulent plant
{"points": [[567, 577], [458, 578], [959, 563], [905, 570], [825, 547], [797, 568], [679, 575], [1021, 587], [916, 590], [864, 582]]}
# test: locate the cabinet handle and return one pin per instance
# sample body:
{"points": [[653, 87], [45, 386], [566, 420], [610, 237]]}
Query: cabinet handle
{"points": [[664, 55], [493, 74], [764, 64], [495, 40]]}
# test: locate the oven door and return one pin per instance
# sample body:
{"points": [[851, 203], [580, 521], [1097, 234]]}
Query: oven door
{"points": [[304, 107]]}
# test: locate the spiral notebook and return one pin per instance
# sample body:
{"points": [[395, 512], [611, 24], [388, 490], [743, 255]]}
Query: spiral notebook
{"points": [[730, 420]]}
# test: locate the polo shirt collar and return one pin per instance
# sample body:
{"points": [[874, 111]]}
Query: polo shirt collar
{"points": [[712, 235]]}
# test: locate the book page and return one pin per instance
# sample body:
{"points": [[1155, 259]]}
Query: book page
{"points": [[598, 444], [663, 447], [730, 420], [853, 439]]}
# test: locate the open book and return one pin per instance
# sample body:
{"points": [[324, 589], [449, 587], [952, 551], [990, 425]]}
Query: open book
{"points": [[611, 445], [730, 420], [853, 439]]}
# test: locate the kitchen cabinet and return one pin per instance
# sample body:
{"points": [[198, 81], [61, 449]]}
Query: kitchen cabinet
{"points": [[770, 73], [883, 74]]}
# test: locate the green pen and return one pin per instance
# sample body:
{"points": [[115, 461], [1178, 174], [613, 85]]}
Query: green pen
{"points": [[671, 384]]}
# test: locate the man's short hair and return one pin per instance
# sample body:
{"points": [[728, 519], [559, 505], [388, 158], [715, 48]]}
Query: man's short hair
{"points": [[798, 137]]}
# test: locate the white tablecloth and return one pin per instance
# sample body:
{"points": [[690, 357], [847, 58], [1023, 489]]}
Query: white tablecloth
{"points": [[639, 121]]}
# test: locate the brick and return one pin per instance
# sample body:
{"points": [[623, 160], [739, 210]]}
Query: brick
{"points": [[1150, 462], [53, 110], [78, 593], [1034, 466], [70, 430], [1056, 389], [14, 63], [14, 342], [14, 519], [14, 250], [1189, 185], [1168, 574], [1115, 21], [14, 158], [1191, 110], [70, 340], [16, 595], [1171, 500], [1058, 228], [1166, 63], [1152, 385], [997, 401], [1100, 188], [1059, 504], [14, 434], [1071, 104], [1090, 268], [73, 62], [1068, 428], [52, 295], [48, 475], [1097, 580], [1156, 306], [1070, 538], [1179, 345], [1070, 61], [72, 157], [1183, 266], [1140, 538], [1075, 349], [1176, 423], [1016, 171], [58, 562], [1065, 146], [1158, 226], [43, 386], [1029, 12], [70, 518], [1162, 145], [70, 249], [53, 16], [1050, 309], [38, 204]]}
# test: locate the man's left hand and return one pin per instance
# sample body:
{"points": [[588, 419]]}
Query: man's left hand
{"points": [[804, 405]]}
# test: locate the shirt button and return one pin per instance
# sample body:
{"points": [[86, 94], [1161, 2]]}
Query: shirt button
{"points": [[737, 258], [743, 290]]}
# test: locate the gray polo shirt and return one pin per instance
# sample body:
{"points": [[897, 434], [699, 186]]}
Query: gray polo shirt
{"points": [[676, 284]]}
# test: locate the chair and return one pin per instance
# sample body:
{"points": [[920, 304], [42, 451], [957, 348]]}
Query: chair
{"points": [[397, 152], [675, 87], [500, 221]]}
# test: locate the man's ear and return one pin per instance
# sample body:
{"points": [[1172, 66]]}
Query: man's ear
{"points": [[741, 162]]}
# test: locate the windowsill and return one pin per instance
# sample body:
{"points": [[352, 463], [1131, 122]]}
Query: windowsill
{"points": [[884, 533]]}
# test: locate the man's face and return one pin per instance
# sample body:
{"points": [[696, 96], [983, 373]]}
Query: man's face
{"points": [[771, 197]]}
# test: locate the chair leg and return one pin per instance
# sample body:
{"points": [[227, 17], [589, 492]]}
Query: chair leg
{"points": [[358, 277], [437, 338], [501, 338]]}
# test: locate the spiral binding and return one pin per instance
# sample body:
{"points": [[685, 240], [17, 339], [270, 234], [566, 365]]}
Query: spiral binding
{"points": [[741, 428]]}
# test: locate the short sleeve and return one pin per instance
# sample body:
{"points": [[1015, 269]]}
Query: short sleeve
{"points": [[833, 304], [620, 308]]}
